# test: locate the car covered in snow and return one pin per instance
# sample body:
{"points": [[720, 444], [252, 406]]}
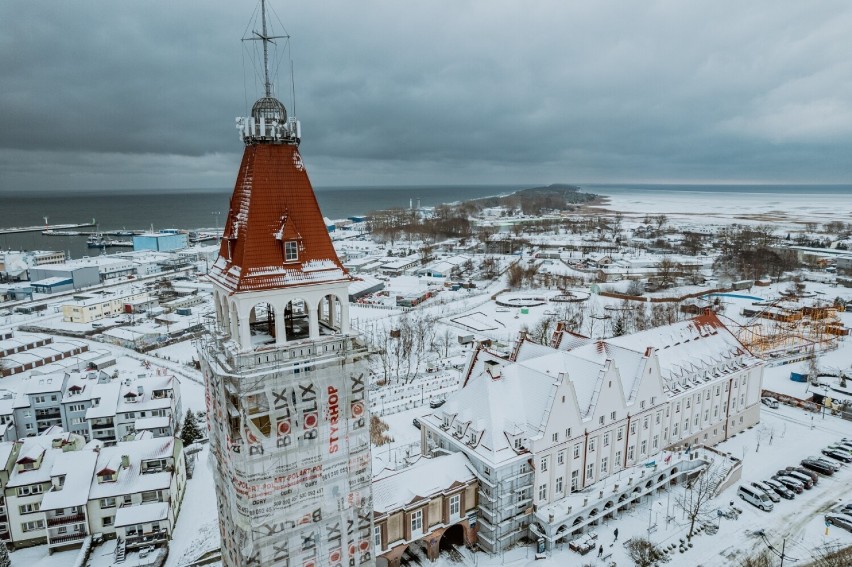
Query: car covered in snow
{"points": [[817, 466], [834, 465], [790, 483], [780, 489], [837, 455], [769, 491], [769, 402], [840, 520], [806, 480]]}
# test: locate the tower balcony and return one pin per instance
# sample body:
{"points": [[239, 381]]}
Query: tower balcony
{"points": [[226, 354]]}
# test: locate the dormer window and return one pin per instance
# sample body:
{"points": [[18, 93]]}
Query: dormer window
{"points": [[291, 251]]}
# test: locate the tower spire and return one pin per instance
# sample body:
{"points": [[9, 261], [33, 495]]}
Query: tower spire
{"points": [[264, 36]]}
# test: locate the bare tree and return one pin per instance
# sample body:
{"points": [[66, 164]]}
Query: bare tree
{"points": [[698, 493]]}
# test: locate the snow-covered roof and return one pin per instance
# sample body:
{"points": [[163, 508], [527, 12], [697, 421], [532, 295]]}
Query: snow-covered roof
{"points": [[151, 423], [426, 478], [77, 468], [141, 514], [131, 479], [32, 449]]}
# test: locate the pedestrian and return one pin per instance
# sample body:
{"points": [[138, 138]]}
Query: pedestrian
{"points": [[616, 534], [600, 551]]}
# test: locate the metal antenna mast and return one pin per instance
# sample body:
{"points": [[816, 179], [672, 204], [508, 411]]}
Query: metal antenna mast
{"points": [[266, 39]]}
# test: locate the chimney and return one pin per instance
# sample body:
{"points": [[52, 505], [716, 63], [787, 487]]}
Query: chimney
{"points": [[125, 461]]}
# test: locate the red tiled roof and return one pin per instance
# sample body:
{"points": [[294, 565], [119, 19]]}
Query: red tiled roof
{"points": [[273, 202]]}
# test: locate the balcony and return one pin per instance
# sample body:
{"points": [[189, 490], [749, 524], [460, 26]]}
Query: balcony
{"points": [[67, 538], [97, 426], [64, 520], [137, 540], [41, 415]]}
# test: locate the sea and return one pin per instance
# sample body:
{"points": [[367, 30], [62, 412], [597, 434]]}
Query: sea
{"points": [[208, 209]]}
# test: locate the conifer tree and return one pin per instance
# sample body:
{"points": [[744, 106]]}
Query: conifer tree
{"points": [[5, 560], [189, 433]]}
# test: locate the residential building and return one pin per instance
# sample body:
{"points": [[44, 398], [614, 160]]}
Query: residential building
{"points": [[432, 501], [550, 422]]}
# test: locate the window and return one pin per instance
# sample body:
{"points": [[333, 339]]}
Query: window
{"points": [[519, 443], [604, 466], [32, 526], [542, 492], [606, 440], [619, 435], [601, 420], [29, 508], [291, 252], [575, 478], [76, 407], [617, 459], [642, 404], [645, 423], [630, 453], [744, 380], [544, 464], [568, 433], [555, 437], [577, 451], [677, 407], [612, 416], [377, 536], [455, 505], [674, 429], [742, 400], [687, 403], [29, 426], [707, 395], [706, 415], [656, 442], [127, 500], [78, 420], [590, 471], [695, 421], [560, 458], [32, 489], [486, 471], [633, 428], [715, 411], [657, 420], [559, 485], [644, 448], [416, 521], [591, 445]]}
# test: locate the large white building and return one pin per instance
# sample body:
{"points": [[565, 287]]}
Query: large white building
{"points": [[285, 376], [550, 423]]}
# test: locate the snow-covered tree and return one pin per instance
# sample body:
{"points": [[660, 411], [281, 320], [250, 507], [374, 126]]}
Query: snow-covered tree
{"points": [[189, 432], [5, 560]]}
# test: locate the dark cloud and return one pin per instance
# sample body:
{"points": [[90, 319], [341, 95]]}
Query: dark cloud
{"points": [[101, 94]]}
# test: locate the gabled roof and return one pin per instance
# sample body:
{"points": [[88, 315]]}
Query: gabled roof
{"points": [[273, 202], [428, 477]]}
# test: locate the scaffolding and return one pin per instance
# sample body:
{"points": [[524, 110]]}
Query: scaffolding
{"points": [[289, 432], [789, 326]]}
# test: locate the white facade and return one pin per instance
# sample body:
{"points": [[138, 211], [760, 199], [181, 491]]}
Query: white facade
{"points": [[548, 423]]}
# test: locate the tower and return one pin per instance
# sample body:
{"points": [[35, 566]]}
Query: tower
{"points": [[285, 377]]}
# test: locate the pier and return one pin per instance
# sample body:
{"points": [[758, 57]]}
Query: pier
{"points": [[41, 228]]}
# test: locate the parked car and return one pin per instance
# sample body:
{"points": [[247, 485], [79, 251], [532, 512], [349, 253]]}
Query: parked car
{"points": [[755, 497], [416, 423], [843, 508], [810, 474], [780, 489], [840, 520], [769, 402], [769, 492], [840, 447], [790, 483], [435, 404], [837, 455], [818, 466], [806, 481], [828, 462]]}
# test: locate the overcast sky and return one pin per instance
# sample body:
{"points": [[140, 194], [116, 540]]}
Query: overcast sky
{"points": [[106, 94]]}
